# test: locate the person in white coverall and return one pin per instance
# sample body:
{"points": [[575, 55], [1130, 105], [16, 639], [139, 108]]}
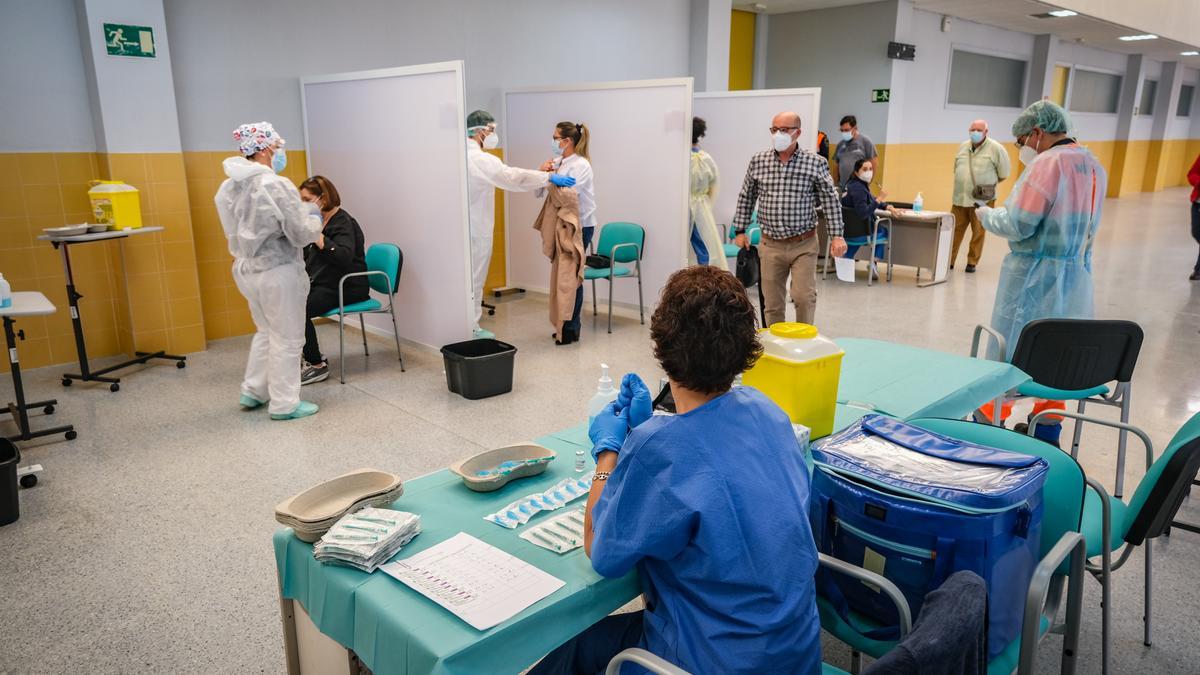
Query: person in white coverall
{"points": [[268, 226], [485, 173]]}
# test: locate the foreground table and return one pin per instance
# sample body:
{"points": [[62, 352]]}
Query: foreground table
{"points": [[26, 303], [393, 629]]}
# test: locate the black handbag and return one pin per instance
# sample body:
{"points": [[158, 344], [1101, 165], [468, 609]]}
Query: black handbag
{"points": [[749, 272], [749, 268], [598, 262]]}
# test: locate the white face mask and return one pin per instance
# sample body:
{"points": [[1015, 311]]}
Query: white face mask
{"points": [[866, 176], [555, 147], [491, 141], [781, 140], [1027, 155]]}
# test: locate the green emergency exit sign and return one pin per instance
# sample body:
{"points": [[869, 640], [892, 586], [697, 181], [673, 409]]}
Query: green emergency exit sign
{"points": [[122, 40], [881, 95]]}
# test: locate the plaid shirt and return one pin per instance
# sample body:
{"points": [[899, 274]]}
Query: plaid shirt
{"points": [[787, 195]]}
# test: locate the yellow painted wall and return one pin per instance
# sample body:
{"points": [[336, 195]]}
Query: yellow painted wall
{"points": [[497, 271], [1058, 86], [225, 310], [741, 51], [142, 294], [928, 168]]}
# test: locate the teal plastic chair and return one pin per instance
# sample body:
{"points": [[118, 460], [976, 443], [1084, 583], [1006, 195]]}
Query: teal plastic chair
{"points": [[384, 263], [1110, 524], [623, 244], [1062, 557]]}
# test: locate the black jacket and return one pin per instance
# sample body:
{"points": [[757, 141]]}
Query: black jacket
{"points": [[344, 253], [858, 197]]}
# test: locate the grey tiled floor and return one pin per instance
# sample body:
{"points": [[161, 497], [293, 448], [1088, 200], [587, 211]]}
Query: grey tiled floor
{"points": [[146, 548]]}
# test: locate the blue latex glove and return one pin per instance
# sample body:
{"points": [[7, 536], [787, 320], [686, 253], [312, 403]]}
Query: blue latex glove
{"points": [[635, 398], [561, 180], [609, 429]]}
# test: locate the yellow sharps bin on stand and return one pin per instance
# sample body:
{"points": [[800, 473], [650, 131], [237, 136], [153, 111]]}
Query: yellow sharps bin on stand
{"points": [[799, 371], [115, 204]]}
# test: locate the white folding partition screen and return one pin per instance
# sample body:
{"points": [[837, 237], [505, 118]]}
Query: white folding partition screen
{"points": [[392, 141], [639, 154], [737, 128]]}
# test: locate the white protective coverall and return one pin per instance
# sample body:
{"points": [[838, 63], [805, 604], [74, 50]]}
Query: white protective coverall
{"points": [[267, 226], [485, 173]]}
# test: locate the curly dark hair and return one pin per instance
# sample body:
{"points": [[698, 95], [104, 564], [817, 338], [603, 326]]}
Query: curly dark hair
{"points": [[704, 329]]}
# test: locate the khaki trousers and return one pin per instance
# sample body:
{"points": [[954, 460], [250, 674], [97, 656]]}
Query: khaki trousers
{"points": [[964, 216], [799, 258]]}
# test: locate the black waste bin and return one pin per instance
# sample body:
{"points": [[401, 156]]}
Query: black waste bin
{"points": [[479, 368], [9, 502]]}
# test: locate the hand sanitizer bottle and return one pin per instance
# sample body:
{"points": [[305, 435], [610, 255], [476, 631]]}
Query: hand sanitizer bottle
{"points": [[605, 393]]}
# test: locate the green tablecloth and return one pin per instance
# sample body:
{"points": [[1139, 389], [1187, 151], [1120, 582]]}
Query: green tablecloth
{"points": [[393, 629], [910, 382]]}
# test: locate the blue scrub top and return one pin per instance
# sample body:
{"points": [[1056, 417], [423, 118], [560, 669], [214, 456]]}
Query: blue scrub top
{"points": [[711, 506]]}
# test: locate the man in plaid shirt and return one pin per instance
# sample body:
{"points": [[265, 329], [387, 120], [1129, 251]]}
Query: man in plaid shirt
{"points": [[786, 184]]}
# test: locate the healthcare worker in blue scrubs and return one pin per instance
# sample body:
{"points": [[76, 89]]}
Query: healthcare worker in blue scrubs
{"points": [[709, 505]]}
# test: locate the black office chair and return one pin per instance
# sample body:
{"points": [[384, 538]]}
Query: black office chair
{"points": [[1074, 360]]}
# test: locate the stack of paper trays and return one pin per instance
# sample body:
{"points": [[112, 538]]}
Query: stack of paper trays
{"points": [[367, 538]]}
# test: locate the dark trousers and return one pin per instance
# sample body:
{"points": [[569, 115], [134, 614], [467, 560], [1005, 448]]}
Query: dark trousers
{"points": [[321, 299], [1196, 231], [573, 324], [589, 652]]}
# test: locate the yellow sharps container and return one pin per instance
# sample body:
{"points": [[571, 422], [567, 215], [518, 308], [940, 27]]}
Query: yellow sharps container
{"points": [[115, 204], [799, 370]]}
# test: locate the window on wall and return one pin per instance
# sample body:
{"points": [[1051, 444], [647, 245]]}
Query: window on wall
{"points": [[983, 79], [1186, 93], [1095, 92], [1146, 104]]}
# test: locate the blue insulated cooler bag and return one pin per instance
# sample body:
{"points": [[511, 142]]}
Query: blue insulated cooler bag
{"points": [[916, 507]]}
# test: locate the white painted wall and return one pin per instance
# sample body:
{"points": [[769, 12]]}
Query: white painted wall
{"points": [[1181, 127], [638, 130], [926, 117], [841, 50], [231, 67], [419, 204], [136, 96], [39, 112]]}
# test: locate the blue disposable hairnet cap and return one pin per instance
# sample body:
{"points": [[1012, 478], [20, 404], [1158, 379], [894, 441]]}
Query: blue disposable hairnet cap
{"points": [[479, 118], [1045, 115]]}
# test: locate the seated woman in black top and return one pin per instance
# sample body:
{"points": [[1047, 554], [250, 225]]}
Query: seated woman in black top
{"points": [[858, 197], [339, 251]]}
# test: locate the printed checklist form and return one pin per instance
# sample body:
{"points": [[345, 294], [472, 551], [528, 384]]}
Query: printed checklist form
{"points": [[476, 581]]}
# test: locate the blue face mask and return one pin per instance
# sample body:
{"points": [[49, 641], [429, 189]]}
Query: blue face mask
{"points": [[279, 160], [976, 137], [555, 147], [847, 135]]}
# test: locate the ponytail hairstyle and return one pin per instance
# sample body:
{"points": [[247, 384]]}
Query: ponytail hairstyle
{"points": [[578, 133]]}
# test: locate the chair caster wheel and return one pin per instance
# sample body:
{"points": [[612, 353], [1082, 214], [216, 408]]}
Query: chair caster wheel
{"points": [[48, 410], [71, 435], [180, 364], [114, 387], [28, 480], [66, 381]]}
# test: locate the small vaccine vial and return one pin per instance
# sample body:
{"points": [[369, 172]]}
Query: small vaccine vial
{"points": [[580, 461]]}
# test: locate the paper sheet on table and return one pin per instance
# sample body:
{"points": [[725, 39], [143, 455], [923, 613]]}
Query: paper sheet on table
{"points": [[475, 581], [845, 269]]}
